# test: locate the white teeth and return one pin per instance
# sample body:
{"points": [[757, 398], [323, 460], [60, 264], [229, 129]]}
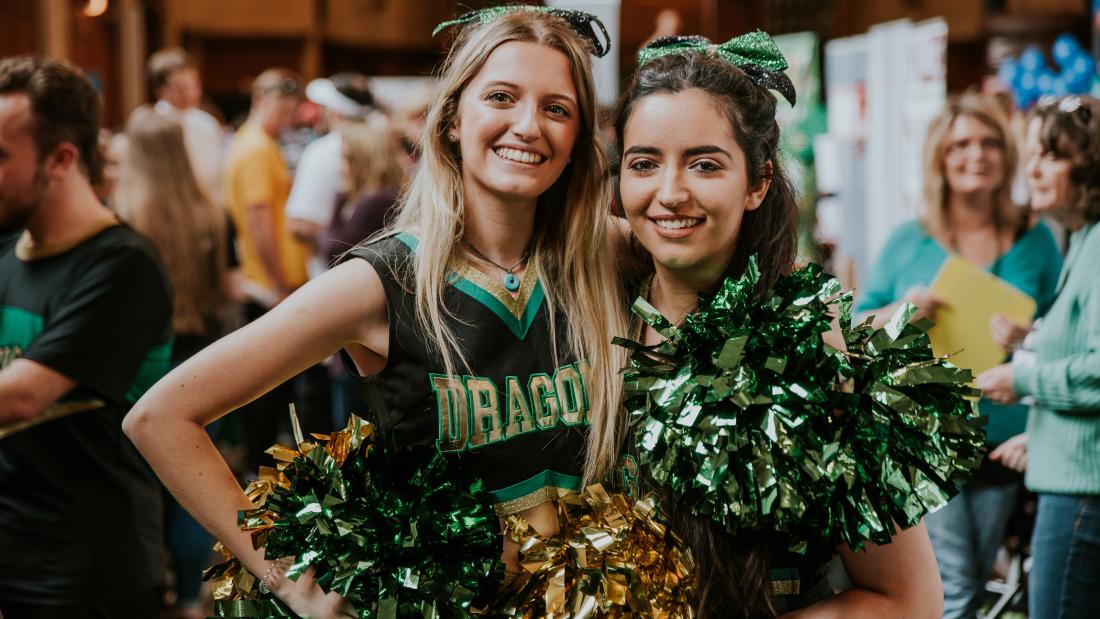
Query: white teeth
{"points": [[513, 154], [676, 224]]}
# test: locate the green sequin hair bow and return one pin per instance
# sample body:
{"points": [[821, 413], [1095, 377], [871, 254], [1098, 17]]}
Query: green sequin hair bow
{"points": [[754, 53], [586, 25]]}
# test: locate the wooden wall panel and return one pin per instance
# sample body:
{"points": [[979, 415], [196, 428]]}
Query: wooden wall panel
{"points": [[243, 17], [1046, 7], [396, 25], [229, 65], [380, 61], [734, 18], [965, 19], [638, 18], [95, 48], [17, 27]]}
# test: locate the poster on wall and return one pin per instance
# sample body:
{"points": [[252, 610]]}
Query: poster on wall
{"points": [[884, 88]]}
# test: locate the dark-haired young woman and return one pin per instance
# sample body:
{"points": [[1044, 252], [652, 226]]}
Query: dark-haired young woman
{"points": [[703, 190]]}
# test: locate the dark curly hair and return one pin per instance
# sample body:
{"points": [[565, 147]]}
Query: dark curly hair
{"points": [[64, 105], [1070, 129], [733, 572]]}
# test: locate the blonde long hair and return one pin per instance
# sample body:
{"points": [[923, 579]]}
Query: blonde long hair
{"points": [[373, 157], [936, 191], [571, 222], [158, 196]]}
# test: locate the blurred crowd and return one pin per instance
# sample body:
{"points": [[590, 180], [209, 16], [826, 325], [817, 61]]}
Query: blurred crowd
{"points": [[242, 214], [269, 210]]}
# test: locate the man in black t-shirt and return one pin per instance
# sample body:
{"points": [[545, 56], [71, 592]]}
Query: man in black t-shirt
{"points": [[84, 330]]}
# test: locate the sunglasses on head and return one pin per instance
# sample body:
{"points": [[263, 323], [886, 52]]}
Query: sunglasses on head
{"points": [[285, 86], [1072, 104]]}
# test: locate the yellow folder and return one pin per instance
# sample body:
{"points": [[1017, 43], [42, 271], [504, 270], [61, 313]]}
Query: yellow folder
{"points": [[973, 296]]}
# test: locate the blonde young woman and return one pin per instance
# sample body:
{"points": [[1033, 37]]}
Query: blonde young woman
{"points": [[158, 195], [483, 319]]}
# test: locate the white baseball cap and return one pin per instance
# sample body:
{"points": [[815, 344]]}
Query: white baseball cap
{"points": [[324, 92]]}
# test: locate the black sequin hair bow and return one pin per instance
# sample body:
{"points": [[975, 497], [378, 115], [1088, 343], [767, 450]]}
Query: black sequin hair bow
{"points": [[586, 25]]}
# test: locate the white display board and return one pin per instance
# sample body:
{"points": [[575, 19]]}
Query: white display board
{"points": [[883, 90]]}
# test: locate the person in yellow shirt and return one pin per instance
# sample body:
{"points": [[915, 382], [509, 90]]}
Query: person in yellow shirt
{"points": [[273, 262], [257, 184]]}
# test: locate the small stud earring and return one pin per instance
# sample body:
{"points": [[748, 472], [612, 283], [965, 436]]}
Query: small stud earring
{"points": [[451, 137]]}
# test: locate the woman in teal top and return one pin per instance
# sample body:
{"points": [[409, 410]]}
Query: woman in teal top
{"points": [[912, 257], [1063, 433], [969, 164]]}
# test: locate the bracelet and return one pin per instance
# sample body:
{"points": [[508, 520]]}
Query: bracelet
{"points": [[274, 573]]}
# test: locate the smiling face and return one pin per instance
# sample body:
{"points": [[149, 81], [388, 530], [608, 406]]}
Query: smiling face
{"points": [[684, 184], [973, 156], [516, 125], [1047, 174]]}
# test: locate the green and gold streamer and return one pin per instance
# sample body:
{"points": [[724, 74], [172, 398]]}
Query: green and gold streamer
{"points": [[754, 421], [613, 559], [394, 533]]}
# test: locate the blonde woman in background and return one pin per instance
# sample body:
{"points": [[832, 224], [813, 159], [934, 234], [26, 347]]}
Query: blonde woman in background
{"points": [[970, 161], [511, 195], [374, 172], [157, 195]]}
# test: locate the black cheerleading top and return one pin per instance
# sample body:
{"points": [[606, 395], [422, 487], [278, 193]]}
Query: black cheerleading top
{"points": [[517, 419]]}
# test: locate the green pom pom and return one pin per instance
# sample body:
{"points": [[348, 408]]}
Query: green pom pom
{"points": [[753, 420], [397, 534]]}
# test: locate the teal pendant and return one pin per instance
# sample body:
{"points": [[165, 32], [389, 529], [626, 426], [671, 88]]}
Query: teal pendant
{"points": [[511, 282]]}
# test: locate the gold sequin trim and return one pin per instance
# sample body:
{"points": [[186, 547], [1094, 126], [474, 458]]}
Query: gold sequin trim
{"points": [[786, 587], [516, 305], [527, 501]]}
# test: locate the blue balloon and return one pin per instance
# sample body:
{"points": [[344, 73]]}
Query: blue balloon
{"points": [[1059, 87], [1082, 63], [1078, 82], [1033, 59], [1044, 82], [1009, 71], [1065, 48], [1028, 82]]}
